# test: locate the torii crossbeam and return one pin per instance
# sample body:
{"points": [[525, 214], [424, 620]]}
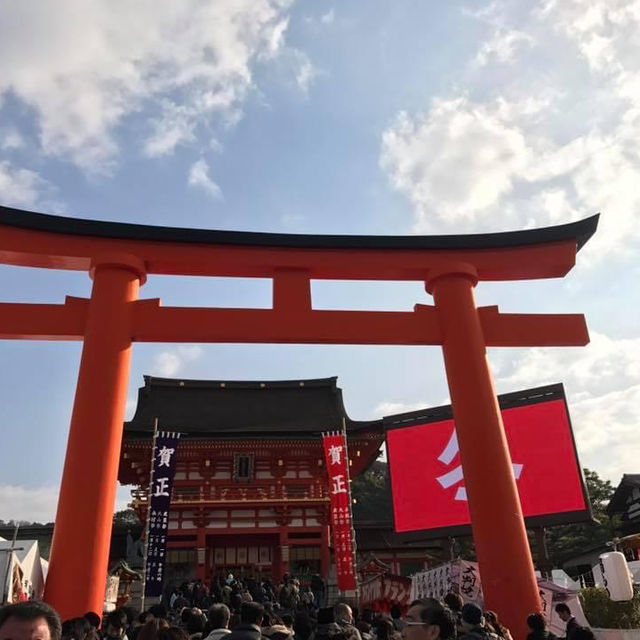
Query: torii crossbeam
{"points": [[120, 256]]}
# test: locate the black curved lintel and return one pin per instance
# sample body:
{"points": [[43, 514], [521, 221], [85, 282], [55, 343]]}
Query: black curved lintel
{"points": [[579, 231]]}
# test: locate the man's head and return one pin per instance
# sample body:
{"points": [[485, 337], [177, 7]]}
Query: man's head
{"points": [[428, 619], [219, 616], [93, 618], [563, 611], [454, 601], [251, 613], [471, 616], [29, 621], [158, 611], [115, 625], [343, 613], [536, 622]]}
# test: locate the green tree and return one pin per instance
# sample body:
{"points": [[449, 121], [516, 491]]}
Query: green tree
{"points": [[126, 518], [371, 493], [604, 613], [567, 540]]}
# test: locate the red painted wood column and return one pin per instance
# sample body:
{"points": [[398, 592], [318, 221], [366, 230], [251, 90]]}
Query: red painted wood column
{"points": [[504, 557], [82, 533]]}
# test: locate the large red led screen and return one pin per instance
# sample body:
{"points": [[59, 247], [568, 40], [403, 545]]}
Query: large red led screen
{"points": [[427, 484]]}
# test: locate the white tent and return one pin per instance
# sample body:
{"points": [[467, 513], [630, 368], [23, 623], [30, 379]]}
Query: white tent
{"points": [[22, 574], [571, 599]]}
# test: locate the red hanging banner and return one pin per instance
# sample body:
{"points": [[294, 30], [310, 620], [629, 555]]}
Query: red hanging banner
{"points": [[337, 461]]}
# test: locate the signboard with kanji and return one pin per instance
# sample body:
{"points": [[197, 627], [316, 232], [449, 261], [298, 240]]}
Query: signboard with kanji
{"points": [[336, 458], [165, 447]]}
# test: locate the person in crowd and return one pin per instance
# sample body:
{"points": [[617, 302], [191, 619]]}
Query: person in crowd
{"points": [[396, 617], [318, 589], [115, 625], [251, 614], [384, 629], [302, 625], [563, 611], [151, 630], [172, 633], [473, 625], [428, 619], [29, 621], [158, 611], [454, 601], [496, 626], [185, 616], [93, 619], [344, 617], [327, 626], [274, 628], [583, 633], [195, 625], [219, 616], [538, 626], [365, 630], [287, 621]]}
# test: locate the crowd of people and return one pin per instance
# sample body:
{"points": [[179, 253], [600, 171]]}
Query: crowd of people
{"points": [[289, 593], [248, 619]]}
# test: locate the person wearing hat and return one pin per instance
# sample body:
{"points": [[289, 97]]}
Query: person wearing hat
{"points": [[428, 619], [472, 624]]}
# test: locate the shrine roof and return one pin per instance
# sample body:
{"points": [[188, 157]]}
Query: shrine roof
{"points": [[226, 408], [618, 502], [579, 231]]}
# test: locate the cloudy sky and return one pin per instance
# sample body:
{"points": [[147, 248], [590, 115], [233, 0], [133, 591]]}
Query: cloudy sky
{"points": [[314, 116]]}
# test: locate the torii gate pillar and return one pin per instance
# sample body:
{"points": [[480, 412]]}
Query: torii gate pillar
{"points": [[76, 578], [508, 577]]}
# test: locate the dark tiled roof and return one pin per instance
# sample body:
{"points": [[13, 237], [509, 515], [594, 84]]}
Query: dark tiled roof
{"points": [[618, 502], [219, 408]]}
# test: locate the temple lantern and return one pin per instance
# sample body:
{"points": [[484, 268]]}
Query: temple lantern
{"points": [[616, 576]]}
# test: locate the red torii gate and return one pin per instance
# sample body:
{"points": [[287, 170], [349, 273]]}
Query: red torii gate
{"points": [[119, 257]]}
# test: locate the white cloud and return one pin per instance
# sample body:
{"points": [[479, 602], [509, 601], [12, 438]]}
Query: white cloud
{"points": [[541, 145], [10, 139], [35, 504], [20, 187], [39, 504], [455, 161], [502, 46], [192, 58], [305, 72], [388, 408], [602, 382], [328, 18], [170, 362], [199, 177]]}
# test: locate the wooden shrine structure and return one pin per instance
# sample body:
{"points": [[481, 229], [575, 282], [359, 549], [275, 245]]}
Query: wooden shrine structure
{"points": [[251, 493]]}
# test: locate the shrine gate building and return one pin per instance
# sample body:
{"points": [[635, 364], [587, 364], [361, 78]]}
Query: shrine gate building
{"points": [[250, 495]]}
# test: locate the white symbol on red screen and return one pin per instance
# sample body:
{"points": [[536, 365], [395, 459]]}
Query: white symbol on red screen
{"points": [[454, 477]]}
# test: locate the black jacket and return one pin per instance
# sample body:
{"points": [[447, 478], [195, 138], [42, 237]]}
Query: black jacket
{"points": [[572, 625], [477, 633]]}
